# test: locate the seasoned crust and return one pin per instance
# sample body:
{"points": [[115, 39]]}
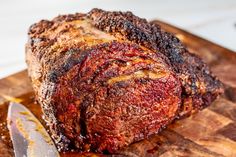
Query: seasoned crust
{"points": [[56, 50], [199, 86]]}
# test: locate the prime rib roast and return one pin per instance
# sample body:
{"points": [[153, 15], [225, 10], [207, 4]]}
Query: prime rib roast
{"points": [[108, 79]]}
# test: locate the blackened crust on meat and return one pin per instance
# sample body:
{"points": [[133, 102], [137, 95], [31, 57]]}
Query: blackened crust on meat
{"points": [[100, 95], [199, 86], [108, 79]]}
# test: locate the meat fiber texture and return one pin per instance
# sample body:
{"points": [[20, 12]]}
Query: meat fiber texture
{"points": [[108, 79]]}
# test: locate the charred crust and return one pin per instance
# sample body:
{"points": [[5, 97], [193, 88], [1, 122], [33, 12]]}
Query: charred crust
{"points": [[73, 73], [153, 37], [68, 18]]}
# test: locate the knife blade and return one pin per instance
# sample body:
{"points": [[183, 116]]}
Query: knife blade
{"points": [[29, 137]]}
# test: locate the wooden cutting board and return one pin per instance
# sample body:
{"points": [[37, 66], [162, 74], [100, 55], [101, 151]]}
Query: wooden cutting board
{"points": [[211, 132]]}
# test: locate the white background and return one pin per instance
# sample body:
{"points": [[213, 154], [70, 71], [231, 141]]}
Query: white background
{"points": [[214, 20]]}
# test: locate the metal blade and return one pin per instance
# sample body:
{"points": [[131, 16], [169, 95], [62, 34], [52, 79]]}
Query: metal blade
{"points": [[28, 136]]}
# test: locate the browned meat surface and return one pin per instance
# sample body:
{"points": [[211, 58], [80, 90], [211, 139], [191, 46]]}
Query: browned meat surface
{"points": [[108, 79]]}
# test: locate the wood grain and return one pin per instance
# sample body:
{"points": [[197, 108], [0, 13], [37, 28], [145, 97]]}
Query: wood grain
{"points": [[210, 133]]}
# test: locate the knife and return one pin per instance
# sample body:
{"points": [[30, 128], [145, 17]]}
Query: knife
{"points": [[29, 137]]}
